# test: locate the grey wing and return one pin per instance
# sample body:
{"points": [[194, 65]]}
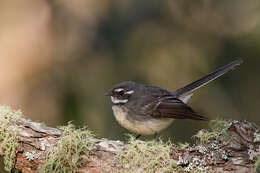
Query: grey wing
{"points": [[172, 107]]}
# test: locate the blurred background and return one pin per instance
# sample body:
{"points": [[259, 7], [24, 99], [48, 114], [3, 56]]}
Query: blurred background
{"points": [[58, 58]]}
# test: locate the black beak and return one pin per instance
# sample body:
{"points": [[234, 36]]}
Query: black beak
{"points": [[108, 93]]}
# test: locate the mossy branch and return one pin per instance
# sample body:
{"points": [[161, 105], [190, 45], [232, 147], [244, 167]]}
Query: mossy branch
{"points": [[33, 147]]}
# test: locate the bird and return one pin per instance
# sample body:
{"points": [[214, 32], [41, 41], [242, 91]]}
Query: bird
{"points": [[147, 110]]}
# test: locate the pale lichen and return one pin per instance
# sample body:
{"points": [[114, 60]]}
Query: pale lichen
{"points": [[31, 155], [66, 155], [8, 135], [111, 146], [148, 156], [194, 163], [183, 161], [217, 128], [208, 148], [253, 154], [44, 143]]}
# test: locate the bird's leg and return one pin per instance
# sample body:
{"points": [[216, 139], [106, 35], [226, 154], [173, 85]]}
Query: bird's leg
{"points": [[138, 136], [156, 137]]}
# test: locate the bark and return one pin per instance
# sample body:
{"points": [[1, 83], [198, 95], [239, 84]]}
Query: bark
{"points": [[235, 150]]}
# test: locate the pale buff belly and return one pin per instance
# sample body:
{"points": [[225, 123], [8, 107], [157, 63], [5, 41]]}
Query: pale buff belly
{"points": [[149, 126]]}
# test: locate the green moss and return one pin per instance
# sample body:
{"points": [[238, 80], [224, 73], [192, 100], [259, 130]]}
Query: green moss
{"points": [[148, 156], [257, 165], [216, 129], [183, 145], [8, 138], [66, 156]]}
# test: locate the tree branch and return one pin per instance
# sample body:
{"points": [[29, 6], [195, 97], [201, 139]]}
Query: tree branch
{"points": [[33, 147]]}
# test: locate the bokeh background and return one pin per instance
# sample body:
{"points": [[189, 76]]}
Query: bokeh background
{"points": [[59, 57]]}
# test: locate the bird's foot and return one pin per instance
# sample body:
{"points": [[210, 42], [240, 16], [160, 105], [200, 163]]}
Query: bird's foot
{"points": [[138, 136]]}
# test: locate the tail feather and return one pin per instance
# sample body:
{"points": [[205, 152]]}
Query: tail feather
{"points": [[208, 78]]}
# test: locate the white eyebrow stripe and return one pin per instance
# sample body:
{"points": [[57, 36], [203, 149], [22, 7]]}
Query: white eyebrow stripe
{"points": [[119, 89], [130, 92]]}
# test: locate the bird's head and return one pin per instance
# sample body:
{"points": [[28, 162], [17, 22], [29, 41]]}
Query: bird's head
{"points": [[121, 93]]}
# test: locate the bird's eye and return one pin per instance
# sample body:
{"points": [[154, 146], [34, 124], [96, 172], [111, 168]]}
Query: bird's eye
{"points": [[121, 93]]}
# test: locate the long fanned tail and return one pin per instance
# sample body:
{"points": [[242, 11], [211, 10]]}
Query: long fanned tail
{"points": [[208, 78]]}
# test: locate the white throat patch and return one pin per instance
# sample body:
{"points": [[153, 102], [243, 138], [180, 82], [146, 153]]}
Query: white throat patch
{"points": [[118, 101]]}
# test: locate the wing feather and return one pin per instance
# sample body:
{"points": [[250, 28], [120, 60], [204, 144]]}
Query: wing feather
{"points": [[172, 107]]}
